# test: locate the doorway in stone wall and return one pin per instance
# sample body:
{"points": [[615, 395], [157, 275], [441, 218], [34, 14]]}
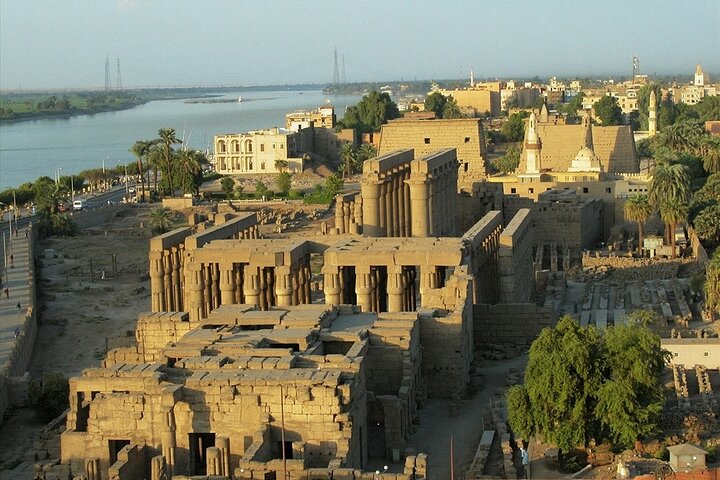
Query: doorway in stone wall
{"points": [[199, 443]]}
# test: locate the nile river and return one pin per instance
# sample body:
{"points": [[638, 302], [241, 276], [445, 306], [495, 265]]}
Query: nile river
{"points": [[31, 149]]}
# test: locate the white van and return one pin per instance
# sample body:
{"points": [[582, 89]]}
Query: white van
{"points": [[78, 205]]}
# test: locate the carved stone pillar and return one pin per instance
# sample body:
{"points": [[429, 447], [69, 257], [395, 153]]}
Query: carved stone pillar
{"points": [[419, 194], [169, 442], [176, 284], [283, 286], [227, 284], [92, 469], [223, 444], [371, 206], [196, 287], [158, 468], [363, 288], [251, 285], [213, 461], [156, 281], [395, 288], [331, 285], [339, 220]]}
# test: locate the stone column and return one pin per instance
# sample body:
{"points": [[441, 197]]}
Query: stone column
{"points": [[407, 204], [331, 285], [395, 288], [363, 287], [401, 204], [223, 444], [196, 287], [227, 284], [176, 273], [167, 279], [346, 217], [251, 285], [371, 206], [383, 210], [339, 220], [169, 442], [359, 212], [396, 205], [156, 281], [307, 280], [158, 468], [283, 286], [213, 461], [419, 194], [92, 469]]}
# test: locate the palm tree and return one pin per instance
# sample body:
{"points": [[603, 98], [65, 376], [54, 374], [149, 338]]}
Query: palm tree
{"points": [[638, 209], [668, 181], [154, 159], [190, 166], [710, 151], [281, 165], [168, 139], [673, 211], [348, 156], [160, 219], [140, 149]]}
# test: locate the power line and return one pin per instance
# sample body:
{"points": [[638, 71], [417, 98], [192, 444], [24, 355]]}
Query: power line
{"points": [[344, 78]]}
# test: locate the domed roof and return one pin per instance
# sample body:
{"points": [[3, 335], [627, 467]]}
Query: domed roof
{"points": [[586, 155], [585, 161]]}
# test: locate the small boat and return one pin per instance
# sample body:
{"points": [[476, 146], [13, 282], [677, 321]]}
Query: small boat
{"points": [[239, 99]]}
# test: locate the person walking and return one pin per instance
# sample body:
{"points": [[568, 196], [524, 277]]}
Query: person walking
{"points": [[19, 307], [7, 292], [524, 461]]}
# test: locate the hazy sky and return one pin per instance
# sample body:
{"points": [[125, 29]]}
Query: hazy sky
{"points": [[63, 43]]}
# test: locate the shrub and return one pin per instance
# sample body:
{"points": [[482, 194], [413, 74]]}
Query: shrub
{"points": [[49, 396]]}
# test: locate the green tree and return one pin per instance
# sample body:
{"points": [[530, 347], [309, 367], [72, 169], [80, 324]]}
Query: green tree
{"points": [[668, 181], [667, 111], [710, 151], [638, 209], [189, 170], [366, 151], [707, 225], [672, 212], [227, 184], [348, 155], [561, 379], [435, 102], [50, 397], [281, 165], [451, 109], [712, 285], [514, 129], [333, 185], [644, 317], [261, 190], [372, 111], [608, 111], [140, 149], [284, 183], [509, 162], [62, 224], [708, 109], [167, 140], [630, 401], [574, 105], [161, 218], [710, 192]]}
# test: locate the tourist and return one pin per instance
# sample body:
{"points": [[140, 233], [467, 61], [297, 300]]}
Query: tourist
{"points": [[11, 259], [7, 292], [525, 461], [19, 307], [17, 332]]}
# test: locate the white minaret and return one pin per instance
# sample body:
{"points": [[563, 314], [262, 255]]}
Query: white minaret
{"points": [[652, 114], [699, 76], [472, 78], [533, 147]]}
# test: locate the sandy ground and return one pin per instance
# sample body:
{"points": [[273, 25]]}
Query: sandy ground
{"points": [[80, 313]]}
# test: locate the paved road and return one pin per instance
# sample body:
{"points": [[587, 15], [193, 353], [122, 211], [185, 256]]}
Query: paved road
{"points": [[17, 282]]}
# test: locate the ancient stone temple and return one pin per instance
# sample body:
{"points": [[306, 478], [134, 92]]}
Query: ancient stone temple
{"points": [[306, 356]]}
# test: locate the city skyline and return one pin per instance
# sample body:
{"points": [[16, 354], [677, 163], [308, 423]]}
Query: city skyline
{"points": [[47, 44]]}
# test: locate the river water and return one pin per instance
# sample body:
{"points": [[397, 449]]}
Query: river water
{"points": [[31, 149]]}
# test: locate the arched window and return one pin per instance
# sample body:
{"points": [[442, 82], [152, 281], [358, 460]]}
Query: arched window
{"points": [[248, 146], [221, 146]]}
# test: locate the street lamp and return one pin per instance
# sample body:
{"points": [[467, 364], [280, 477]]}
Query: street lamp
{"points": [[57, 175]]}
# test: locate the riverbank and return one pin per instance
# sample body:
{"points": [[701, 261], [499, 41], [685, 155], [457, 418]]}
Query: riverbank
{"points": [[31, 116]]}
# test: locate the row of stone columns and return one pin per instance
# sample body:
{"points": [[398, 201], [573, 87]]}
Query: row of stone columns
{"points": [[433, 199], [348, 214], [168, 275], [376, 288], [386, 210], [485, 269], [167, 279], [209, 285]]}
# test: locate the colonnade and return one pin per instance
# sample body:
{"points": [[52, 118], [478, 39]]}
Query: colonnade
{"points": [[481, 246], [380, 288], [211, 284], [168, 253], [348, 213], [433, 193], [386, 204]]}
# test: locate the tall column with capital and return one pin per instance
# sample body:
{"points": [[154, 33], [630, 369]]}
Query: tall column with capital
{"points": [[251, 285], [419, 194], [371, 206], [156, 281], [167, 279], [284, 286], [169, 442], [339, 215], [227, 283], [331, 285], [407, 204], [395, 288], [363, 287], [383, 210], [195, 285]]}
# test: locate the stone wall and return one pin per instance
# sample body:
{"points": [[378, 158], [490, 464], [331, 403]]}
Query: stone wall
{"points": [[515, 259], [477, 201], [511, 322], [21, 350]]}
